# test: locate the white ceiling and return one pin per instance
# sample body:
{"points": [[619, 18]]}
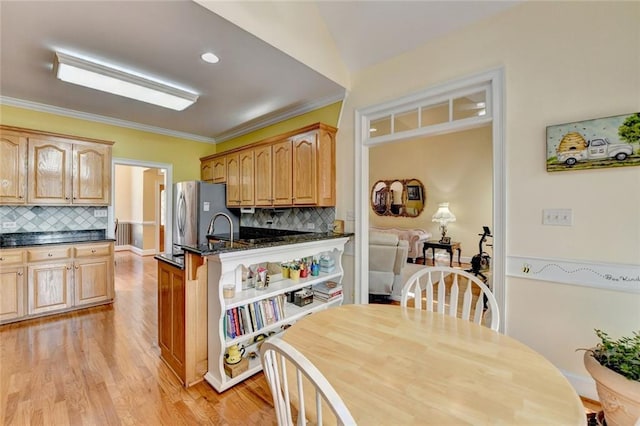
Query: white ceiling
{"points": [[254, 83]]}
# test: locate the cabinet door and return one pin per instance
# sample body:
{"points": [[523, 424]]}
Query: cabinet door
{"points": [[12, 291], [13, 168], [49, 287], [92, 279], [282, 173], [206, 170], [171, 317], [233, 180], [246, 178], [263, 176], [326, 161], [304, 168], [219, 165], [49, 177], [91, 174]]}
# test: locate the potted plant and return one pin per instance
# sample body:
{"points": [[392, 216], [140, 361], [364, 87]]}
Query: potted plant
{"points": [[615, 367]]}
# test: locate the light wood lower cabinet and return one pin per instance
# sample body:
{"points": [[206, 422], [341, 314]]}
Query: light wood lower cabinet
{"points": [[42, 280], [182, 318]]}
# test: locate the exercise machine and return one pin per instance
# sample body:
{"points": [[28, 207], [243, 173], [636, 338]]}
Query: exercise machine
{"points": [[481, 261]]}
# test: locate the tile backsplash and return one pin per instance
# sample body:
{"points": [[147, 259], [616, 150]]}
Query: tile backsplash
{"points": [[50, 218], [292, 218]]}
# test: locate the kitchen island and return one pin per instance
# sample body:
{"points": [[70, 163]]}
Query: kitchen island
{"points": [[194, 316]]}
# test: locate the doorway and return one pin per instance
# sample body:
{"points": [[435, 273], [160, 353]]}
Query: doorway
{"points": [[447, 99], [139, 213]]}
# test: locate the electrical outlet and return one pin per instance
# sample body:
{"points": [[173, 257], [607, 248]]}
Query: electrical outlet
{"points": [[557, 217], [9, 225], [311, 226]]}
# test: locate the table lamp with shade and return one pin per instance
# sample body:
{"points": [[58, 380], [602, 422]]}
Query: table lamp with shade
{"points": [[443, 216]]}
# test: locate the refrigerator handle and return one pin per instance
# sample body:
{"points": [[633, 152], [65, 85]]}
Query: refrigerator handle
{"points": [[181, 214]]}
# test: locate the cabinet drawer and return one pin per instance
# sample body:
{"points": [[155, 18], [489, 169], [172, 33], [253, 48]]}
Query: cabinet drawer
{"points": [[93, 250], [49, 253], [12, 257]]}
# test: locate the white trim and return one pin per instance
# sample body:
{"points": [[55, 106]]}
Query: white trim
{"points": [[277, 117], [583, 385], [124, 247], [493, 77], [140, 252], [168, 181], [606, 276], [137, 222], [35, 106]]}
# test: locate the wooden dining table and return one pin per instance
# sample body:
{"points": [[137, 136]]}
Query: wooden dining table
{"points": [[397, 366]]}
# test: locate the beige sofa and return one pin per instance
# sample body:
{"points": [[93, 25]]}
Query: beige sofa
{"points": [[414, 237], [387, 258]]}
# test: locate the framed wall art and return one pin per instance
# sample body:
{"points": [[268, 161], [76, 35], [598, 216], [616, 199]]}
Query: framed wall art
{"points": [[594, 144]]}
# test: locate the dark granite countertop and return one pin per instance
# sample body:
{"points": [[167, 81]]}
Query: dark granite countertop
{"points": [[24, 239], [176, 260], [224, 246]]}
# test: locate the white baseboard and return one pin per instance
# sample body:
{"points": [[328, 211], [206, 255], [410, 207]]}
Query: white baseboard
{"points": [[136, 250], [583, 385]]}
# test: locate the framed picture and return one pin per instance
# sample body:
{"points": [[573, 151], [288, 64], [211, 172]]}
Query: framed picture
{"points": [[445, 240], [594, 144], [414, 192]]}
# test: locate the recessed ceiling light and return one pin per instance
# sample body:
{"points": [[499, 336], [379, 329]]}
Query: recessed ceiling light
{"points": [[99, 76], [210, 57]]}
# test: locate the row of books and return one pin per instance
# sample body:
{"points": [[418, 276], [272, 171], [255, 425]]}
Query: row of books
{"points": [[327, 291], [254, 316]]}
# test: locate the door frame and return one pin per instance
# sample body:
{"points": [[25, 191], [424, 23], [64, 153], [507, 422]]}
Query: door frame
{"points": [[168, 173], [495, 79]]}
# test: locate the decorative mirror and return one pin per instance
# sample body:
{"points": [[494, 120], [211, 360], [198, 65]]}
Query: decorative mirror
{"points": [[404, 197]]}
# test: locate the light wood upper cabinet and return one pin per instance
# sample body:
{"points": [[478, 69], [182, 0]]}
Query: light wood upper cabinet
{"points": [[282, 173], [219, 165], [246, 178], [13, 168], [263, 176], [40, 168], [304, 169], [50, 168], [293, 169], [206, 170], [240, 179], [91, 174]]}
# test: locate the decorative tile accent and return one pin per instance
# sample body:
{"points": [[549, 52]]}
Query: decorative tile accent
{"points": [[295, 218], [44, 219]]}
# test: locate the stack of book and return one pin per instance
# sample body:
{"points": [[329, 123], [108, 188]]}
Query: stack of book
{"points": [[327, 291]]}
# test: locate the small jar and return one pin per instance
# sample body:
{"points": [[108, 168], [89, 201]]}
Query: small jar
{"points": [[228, 291]]}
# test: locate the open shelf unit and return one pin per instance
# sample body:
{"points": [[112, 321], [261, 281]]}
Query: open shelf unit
{"points": [[226, 268]]}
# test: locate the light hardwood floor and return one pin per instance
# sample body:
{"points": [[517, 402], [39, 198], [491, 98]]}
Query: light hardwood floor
{"points": [[101, 366]]}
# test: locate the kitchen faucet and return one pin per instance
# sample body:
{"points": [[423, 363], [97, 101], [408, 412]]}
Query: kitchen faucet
{"points": [[213, 219]]}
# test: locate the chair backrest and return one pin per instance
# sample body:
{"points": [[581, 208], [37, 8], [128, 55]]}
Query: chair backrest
{"points": [[276, 356], [451, 298]]}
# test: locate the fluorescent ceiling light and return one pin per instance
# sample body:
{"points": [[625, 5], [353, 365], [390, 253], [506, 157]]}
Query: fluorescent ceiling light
{"points": [[107, 79]]}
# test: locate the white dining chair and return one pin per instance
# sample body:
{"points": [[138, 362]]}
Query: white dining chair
{"points": [[457, 300], [276, 356]]}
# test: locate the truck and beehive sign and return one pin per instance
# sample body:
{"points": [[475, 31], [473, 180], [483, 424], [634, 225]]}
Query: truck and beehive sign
{"points": [[594, 144], [574, 147]]}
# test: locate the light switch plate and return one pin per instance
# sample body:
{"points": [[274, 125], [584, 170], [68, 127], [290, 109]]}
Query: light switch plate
{"points": [[9, 225], [557, 217], [206, 206], [100, 213]]}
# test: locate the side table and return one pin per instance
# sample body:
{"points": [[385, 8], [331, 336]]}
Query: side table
{"points": [[435, 244]]}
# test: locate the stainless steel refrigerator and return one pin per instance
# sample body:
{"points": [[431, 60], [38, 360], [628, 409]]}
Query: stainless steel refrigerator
{"points": [[195, 203]]}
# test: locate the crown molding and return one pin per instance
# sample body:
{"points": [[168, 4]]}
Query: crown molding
{"points": [[241, 130], [276, 117], [35, 106]]}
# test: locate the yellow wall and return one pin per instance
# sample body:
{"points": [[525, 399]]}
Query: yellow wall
{"points": [[563, 62], [328, 115], [454, 168], [129, 143]]}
